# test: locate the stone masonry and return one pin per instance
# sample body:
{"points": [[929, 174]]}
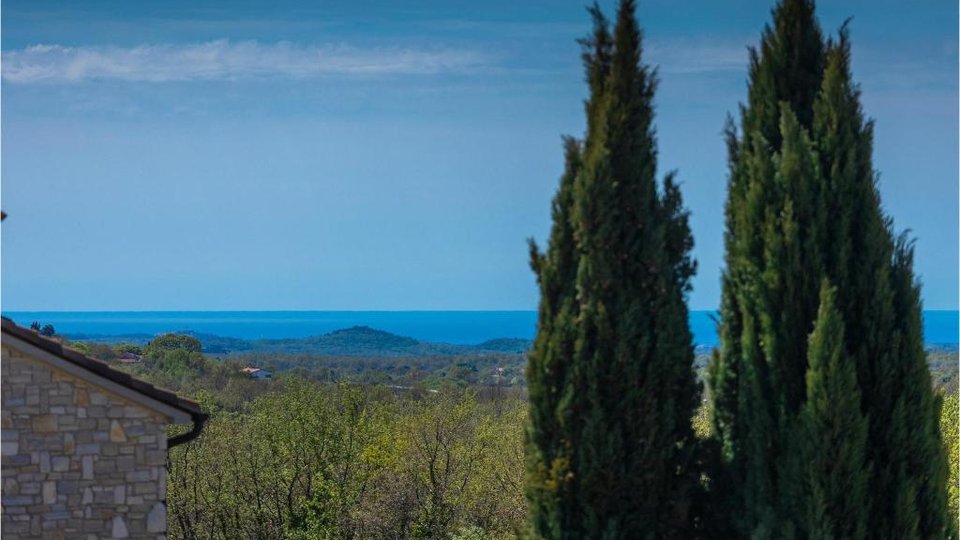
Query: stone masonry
{"points": [[77, 461]]}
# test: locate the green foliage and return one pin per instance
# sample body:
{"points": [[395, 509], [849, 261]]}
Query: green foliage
{"points": [[100, 351], [611, 449], [481, 369], [80, 346], [172, 342], [918, 469], [702, 425], [469, 533], [803, 206], [318, 461], [547, 371], [950, 429], [180, 363], [830, 498], [128, 347], [943, 371]]}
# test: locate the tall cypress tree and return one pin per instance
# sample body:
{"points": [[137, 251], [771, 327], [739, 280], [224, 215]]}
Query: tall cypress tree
{"points": [[880, 302], [803, 205], [612, 389]]}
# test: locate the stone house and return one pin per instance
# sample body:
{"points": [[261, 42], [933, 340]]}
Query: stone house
{"points": [[84, 446]]}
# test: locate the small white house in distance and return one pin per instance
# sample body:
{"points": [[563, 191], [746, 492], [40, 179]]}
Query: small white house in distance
{"points": [[257, 373]]}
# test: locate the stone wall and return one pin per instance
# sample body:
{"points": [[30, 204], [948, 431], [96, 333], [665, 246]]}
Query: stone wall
{"points": [[77, 462]]}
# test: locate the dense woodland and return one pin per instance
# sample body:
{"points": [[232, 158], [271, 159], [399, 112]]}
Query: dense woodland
{"points": [[819, 418]]}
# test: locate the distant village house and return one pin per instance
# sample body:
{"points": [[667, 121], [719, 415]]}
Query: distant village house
{"points": [[128, 357], [257, 373]]}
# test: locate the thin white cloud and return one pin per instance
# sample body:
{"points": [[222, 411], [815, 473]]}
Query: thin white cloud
{"points": [[224, 60]]}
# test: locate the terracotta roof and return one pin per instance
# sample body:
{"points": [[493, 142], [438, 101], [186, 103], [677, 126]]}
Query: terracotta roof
{"points": [[101, 368]]}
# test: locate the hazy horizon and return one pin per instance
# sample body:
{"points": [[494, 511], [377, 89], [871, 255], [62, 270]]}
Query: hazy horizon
{"points": [[464, 327]]}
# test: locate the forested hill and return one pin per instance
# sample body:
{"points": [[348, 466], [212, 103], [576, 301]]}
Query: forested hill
{"points": [[355, 341], [361, 341]]}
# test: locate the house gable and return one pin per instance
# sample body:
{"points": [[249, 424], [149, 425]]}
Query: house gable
{"points": [[33, 353], [84, 446]]}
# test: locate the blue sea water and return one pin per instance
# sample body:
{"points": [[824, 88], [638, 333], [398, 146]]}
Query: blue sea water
{"points": [[940, 327]]}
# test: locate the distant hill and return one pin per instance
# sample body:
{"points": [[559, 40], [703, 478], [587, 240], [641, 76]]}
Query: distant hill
{"points": [[366, 341], [355, 341], [364, 336]]}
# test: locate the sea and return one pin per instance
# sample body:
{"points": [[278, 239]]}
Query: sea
{"points": [[941, 328]]}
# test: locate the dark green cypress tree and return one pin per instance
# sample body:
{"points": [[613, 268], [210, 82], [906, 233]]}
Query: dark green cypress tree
{"points": [[881, 307], [830, 498], [790, 222], [611, 450]]}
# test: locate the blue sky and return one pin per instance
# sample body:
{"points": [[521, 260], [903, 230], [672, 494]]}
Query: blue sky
{"points": [[390, 155]]}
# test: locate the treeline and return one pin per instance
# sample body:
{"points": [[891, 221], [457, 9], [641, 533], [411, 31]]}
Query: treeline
{"points": [[478, 369], [175, 361], [189, 372]]}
